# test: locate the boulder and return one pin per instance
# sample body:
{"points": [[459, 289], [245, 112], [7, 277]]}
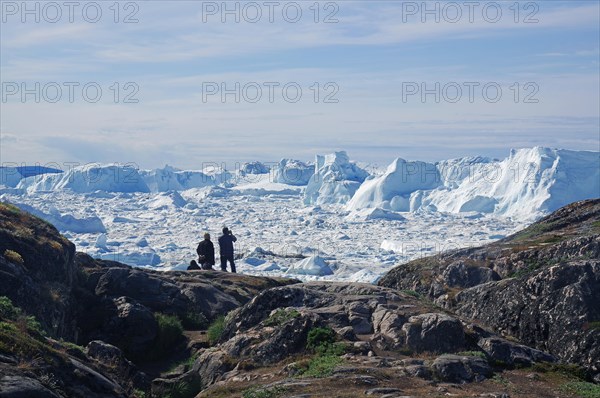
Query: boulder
{"points": [[510, 353], [23, 387], [434, 332], [460, 369]]}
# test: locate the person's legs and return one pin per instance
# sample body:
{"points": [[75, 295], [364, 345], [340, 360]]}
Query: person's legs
{"points": [[232, 264], [224, 263]]}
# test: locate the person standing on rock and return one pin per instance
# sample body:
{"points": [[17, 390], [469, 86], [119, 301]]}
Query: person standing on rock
{"points": [[206, 253], [226, 249]]}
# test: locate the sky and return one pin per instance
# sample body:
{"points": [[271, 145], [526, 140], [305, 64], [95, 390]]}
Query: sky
{"points": [[187, 83]]}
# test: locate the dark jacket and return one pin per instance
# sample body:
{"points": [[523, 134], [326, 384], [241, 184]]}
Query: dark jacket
{"points": [[206, 250], [226, 244]]}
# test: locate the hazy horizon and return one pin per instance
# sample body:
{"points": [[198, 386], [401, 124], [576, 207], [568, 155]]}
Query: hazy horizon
{"points": [[155, 83]]}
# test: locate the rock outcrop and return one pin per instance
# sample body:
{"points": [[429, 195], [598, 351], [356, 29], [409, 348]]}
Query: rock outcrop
{"points": [[541, 285]]}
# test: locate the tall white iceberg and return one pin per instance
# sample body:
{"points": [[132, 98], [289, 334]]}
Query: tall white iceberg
{"points": [[335, 180]]}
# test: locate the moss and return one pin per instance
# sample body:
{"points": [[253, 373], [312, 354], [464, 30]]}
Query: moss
{"points": [[280, 317], [264, 392]]}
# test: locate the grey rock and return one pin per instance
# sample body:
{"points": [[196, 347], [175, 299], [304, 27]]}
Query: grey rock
{"points": [[23, 387], [434, 333], [460, 369], [459, 274], [512, 353], [420, 371], [383, 390]]}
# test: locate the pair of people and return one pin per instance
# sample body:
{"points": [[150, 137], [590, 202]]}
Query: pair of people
{"points": [[206, 252]]}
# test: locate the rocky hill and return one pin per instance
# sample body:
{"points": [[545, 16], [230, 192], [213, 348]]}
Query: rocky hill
{"points": [[482, 322], [541, 285]]}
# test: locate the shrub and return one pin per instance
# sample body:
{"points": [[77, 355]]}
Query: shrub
{"points": [[170, 332], [8, 310], [280, 317], [215, 330], [322, 365], [13, 257], [319, 337], [194, 321]]}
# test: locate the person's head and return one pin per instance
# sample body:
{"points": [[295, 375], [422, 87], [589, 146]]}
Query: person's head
{"points": [[225, 231], [206, 236]]}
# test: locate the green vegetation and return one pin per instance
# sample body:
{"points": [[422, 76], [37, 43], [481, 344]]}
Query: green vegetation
{"points": [[594, 325], [479, 354], [8, 208], [571, 371], [215, 330], [322, 366], [281, 316], [188, 363], [582, 389], [411, 293], [7, 310], [264, 392], [318, 337], [137, 393], [13, 257], [23, 336], [322, 342], [23, 322], [170, 332], [182, 390], [194, 321]]}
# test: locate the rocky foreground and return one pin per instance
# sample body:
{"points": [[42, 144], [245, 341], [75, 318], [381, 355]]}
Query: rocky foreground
{"points": [[518, 318]]}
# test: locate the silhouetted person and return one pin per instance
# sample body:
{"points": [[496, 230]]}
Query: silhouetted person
{"points": [[206, 253], [193, 266], [226, 249]]}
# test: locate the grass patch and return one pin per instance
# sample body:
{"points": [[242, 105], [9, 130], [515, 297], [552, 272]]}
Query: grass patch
{"points": [[264, 392], [594, 325], [13, 257], [582, 389], [411, 293], [187, 363], [8, 208], [281, 316], [328, 352], [194, 321], [215, 330], [479, 354], [569, 370], [183, 390], [170, 332], [322, 366]]}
